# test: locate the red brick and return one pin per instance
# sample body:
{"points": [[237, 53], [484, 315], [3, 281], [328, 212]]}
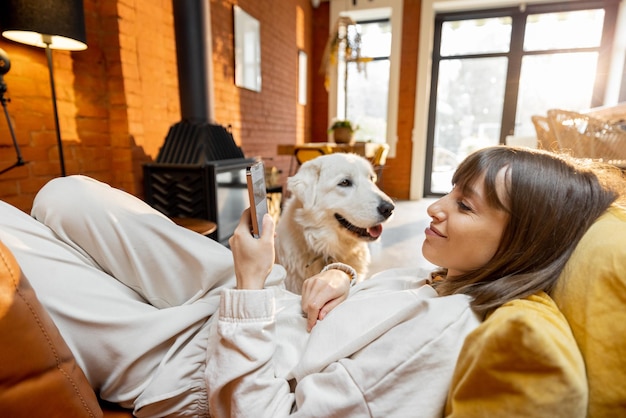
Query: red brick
{"points": [[118, 98]]}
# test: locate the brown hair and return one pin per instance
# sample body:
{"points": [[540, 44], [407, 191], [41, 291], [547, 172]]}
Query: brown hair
{"points": [[551, 200]]}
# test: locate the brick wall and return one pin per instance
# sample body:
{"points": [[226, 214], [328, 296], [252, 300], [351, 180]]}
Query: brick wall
{"points": [[118, 98], [319, 96], [397, 177], [260, 120], [396, 181]]}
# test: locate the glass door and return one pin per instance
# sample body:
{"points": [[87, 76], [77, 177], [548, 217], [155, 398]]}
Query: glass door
{"points": [[469, 89], [494, 69]]}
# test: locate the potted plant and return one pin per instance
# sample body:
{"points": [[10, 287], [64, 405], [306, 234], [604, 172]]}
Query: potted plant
{"points": [[343, 131]]}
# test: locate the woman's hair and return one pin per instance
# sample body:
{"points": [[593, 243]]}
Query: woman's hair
{"points": [[551, 200]]}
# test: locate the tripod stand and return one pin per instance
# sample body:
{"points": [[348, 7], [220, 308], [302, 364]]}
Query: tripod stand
{"points": [[5, 65]]}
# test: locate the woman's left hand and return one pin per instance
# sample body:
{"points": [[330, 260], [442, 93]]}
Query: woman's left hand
{"points": [[254, 257], [322, 293]]}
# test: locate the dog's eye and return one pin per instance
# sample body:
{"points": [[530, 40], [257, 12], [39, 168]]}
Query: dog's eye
{"points": [[345, 183]]}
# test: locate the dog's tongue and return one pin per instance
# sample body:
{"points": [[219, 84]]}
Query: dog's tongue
{"points": [[375, 231]]}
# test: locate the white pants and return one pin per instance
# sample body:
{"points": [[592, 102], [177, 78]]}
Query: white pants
{"points": [[130, 291]]}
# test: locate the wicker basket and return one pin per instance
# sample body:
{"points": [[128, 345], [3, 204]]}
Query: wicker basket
{"points": [[545, 137], [586, 137]]}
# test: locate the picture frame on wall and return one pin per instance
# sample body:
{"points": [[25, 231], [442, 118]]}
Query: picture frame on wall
{"points": [[247, 50]]}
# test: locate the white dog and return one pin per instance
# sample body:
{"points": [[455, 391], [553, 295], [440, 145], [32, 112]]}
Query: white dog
{"points": [[334, 210]]}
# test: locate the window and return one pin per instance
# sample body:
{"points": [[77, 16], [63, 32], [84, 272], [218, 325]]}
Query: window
{"points": [[493, 69], [372, 95], [366, 85]]}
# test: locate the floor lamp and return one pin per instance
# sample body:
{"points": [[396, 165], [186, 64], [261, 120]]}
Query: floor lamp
{"points": [[49, 24]]}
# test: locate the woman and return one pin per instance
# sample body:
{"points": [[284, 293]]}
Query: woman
{"points": [[505, 231], [134, 295]]}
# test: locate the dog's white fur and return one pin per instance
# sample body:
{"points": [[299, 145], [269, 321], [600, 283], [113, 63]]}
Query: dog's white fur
{"points": [[309, 235]]}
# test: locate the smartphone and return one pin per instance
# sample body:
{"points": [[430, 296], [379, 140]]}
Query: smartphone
{"points": [[255, 178]]}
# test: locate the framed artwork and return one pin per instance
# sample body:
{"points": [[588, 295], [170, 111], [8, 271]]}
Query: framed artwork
{"points": [[247, 50]]}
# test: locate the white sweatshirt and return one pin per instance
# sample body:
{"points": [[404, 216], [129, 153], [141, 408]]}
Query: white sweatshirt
{"points": [[389, 350], [149, 312]]}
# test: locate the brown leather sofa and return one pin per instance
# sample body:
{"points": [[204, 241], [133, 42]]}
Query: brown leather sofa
{"points": [[39, 376]]}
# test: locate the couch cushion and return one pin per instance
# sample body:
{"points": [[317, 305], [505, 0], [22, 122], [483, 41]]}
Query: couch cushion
{"points": [[39, 376], [591, 293], [522, 361]]}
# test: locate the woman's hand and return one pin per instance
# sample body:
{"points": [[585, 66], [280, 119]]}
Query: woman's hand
{"points": [[254, 257], [322, 293]]}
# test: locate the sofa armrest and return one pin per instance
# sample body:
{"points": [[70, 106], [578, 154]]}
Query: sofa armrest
{"points": [[39, 376]]}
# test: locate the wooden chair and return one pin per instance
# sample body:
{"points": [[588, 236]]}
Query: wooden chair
{"points": [[305, 154], [274, 190], [379, 160]]}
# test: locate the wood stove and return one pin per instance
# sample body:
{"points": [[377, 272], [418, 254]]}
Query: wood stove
{"points": [[215, 191], [199, 171]]}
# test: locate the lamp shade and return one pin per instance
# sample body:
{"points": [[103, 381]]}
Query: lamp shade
{"points": [[59, 24]]}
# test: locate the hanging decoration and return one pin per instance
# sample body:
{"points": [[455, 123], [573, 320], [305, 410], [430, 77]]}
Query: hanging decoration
{"points": [[344, 42]]}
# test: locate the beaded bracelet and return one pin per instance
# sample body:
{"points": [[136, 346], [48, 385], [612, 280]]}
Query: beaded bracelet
{"points": [[345, 268]]}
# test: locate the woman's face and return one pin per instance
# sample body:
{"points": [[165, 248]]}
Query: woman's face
{"points": [[465, 231]]}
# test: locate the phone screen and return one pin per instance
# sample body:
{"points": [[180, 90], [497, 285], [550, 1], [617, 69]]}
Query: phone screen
{"points": [[255, 176]]}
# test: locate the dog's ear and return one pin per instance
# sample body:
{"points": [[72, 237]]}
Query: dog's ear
{"points": [[302, 184]]}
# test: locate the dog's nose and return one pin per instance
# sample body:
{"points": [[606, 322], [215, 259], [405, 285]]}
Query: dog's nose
{"points": [[386, 208]]}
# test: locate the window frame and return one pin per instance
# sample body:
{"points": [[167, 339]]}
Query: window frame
{"points": [[514, 56], [344, 98], [363, 11]]}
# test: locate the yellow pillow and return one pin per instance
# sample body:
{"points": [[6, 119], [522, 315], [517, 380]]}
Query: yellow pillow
{"points": [[522, 361], [591, 293]]}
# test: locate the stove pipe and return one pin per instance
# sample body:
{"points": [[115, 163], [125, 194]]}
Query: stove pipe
{"points": [[192, 26]]}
